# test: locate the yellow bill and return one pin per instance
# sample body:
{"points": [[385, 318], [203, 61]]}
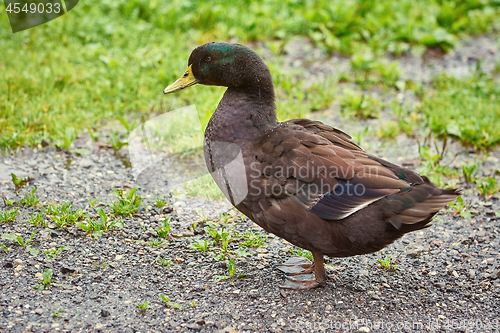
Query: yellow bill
{"points": [[186, 80]]}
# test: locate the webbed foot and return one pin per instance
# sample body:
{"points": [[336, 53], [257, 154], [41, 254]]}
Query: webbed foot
{"points": [[301, 273]]}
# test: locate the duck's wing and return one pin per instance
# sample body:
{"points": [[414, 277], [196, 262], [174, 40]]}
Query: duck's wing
{"points": [[342, 139], [318, 167]]}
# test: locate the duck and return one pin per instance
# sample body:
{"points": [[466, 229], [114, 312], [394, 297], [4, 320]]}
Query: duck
{"points": [[301, 180]]}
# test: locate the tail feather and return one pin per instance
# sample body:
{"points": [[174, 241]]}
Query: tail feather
{"points": [[419, 204]]}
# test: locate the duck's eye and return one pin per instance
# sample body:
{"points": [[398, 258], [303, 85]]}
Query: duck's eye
{"points": [[208, 59]]}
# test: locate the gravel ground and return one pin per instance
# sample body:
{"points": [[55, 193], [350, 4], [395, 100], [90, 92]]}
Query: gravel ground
{"points": [[443, 278]]}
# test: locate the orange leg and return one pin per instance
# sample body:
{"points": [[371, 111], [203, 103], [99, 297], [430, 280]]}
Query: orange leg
{"points": [[319, 267]]}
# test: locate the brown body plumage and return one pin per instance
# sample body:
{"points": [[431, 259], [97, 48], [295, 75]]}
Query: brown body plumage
{"points": [[306, 181]]}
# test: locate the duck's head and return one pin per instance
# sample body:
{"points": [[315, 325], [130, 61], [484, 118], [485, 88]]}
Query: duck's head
{"points": [[222, 64]]}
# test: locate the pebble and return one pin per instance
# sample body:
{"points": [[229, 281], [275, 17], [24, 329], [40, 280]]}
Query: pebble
{"points": [[440, 285], [340, 305], [178, 260], [414, 252]]}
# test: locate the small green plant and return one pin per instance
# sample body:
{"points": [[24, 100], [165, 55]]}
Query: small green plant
{"points": [[253, 239], [159, 201], [231, 267], [167, 302], [93, 135], [116, 143], [64, 214], [221, 237], [431, 164], [487, 187], [128, 126], [219, 256], [388, 130], [20, 241], [143, 307], [156, 242], [224, 217], [53, 253], [128, 202], [297, 251], [200, 245], [203, 217], [46, 280], [56, 314], [30, 199], [164, 262], [468, 171], [165, 228], [8, 202], [8, 215], [388, 263], [97, 227], [243, 253], [3, 247], [192, 304], [92, 202], [18, 182], [360, 135], [210, 229], [67, 139], [460, 208], [360, 105]]}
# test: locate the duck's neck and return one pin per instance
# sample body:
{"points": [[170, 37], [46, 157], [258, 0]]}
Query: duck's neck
{"points": [[243, 113]]}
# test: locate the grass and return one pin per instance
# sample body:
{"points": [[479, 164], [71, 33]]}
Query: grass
{"points": [[108, 58], [30, 199], [64, 214], [200, 245], [167, 302], [388, 263], [165, 228], [164, 262], [468, 109], [52, 254], [231, 267], [46, 280], [144, 306], [160, 202], [297, 251], [459, 207], [98, 226], [253, 239], [204, 186], [127, 203], [23, 243], [487, 187], [431, 166], [8, 215]]}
